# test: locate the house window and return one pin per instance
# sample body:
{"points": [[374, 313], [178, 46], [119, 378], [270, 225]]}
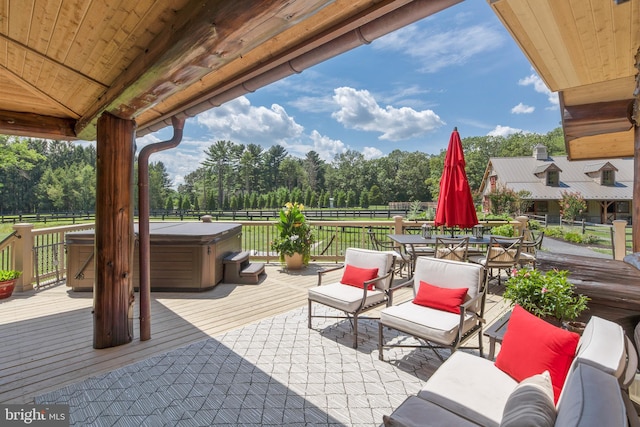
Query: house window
{"points": [[608, 177], [542, 206], [553, 178], [622, 207]]}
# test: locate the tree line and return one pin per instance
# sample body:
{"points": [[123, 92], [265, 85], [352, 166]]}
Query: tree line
{"points": [[45, 176]]}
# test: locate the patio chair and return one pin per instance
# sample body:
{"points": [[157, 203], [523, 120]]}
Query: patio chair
{"points": [[447, 310], [452, 248], [402, 260], [529, 249], [365, 284], [503, 253]]}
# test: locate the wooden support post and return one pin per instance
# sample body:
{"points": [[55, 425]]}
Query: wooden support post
{"points": [[635, 228], [114, 238], [24, 256]]}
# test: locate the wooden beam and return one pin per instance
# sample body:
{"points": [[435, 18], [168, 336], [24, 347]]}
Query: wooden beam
{"points": [[596, 119], [36, 126], [207, 35], [635, 217], [113, 289]]}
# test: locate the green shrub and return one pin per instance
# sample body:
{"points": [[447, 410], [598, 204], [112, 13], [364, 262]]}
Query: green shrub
{"points": [[554, 232], [506, 230], [575, 237], [534, 224]]}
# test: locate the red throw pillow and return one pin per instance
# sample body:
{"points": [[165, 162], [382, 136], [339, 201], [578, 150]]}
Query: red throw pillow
{"points": [[447, 299], [532, 346], [356, 276]]}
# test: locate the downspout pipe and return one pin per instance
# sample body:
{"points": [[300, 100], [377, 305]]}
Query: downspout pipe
{"points": [[143, 222]]}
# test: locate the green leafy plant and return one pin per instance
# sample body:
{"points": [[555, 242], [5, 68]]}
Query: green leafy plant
{"points": [[294, 233], [547, 294], [6, 275], [506, 230], [572, 205]]}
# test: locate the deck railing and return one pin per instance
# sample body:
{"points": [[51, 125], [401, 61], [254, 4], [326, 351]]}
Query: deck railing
{"points": [[41, 253]]}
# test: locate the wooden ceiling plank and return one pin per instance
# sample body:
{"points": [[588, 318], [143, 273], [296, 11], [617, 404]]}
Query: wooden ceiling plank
{"points": [[204, 40], [47, 12], [65, 32], [123, 45], [619, 144], [20, 14], [90, 37], [551, 42], [604, 35], [568, 19], [506, 14], [35, 125], [45, 98]]}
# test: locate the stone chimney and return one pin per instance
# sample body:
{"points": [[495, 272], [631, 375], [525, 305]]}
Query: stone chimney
{"points": [[540, 152]]}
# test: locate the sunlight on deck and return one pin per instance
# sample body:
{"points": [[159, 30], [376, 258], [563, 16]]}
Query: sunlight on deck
{"points": [[47, 335]]}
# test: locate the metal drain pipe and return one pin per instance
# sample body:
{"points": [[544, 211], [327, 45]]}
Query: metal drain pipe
{"points": [[143, 223]]}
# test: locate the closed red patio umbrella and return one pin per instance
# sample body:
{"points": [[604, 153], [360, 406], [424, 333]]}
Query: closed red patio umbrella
{"points": [[455, 204]]}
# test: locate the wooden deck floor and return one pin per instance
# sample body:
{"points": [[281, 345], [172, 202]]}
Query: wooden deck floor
{"points": [[47, 336]]}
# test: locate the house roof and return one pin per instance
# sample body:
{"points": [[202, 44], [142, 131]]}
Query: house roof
{"points": [[587, 51], [62, 64], [519, 173]]}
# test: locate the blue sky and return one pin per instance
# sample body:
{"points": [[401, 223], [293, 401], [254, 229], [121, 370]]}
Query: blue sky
{"points": [[404, 91]]}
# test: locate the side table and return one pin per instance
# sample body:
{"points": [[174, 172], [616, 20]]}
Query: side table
{"points": [[495, 332]]}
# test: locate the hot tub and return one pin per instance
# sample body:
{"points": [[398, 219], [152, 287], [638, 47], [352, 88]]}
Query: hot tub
{"points": [[184, 255]]}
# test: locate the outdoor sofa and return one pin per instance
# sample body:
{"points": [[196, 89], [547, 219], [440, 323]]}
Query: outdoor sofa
{"points": [[468, 390]]}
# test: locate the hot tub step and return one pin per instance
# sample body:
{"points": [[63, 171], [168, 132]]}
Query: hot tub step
{"points": [[238, 269]]}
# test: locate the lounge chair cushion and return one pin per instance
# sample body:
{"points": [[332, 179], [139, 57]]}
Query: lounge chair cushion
{"points": [[531, 346], [531, 403], [356, 276], [344, 297], [447, 299], [454, 386], [425, 322], [364, 258]]}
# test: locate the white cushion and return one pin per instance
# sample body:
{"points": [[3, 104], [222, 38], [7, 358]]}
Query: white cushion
{"points": [[416, 412], [471, 387], [446, 273], [344, 297], [425, 322], [364, 258]]}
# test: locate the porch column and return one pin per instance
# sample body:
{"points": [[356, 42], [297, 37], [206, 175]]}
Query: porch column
{"points": [[114, 238], [635, 218]]}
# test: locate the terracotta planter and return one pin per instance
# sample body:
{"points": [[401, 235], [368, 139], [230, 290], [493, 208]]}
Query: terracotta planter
{"points": [[294, 262], [6, 288]]}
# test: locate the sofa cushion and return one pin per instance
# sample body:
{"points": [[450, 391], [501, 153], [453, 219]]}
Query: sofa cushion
{"points": [[416, 412], [356, 276], [592, 398], [447, 299], [531, 404], [602, 345], [471, 387], [532, 346]]}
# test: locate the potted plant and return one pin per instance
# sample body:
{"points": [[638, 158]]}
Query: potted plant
{"points": [[295, 236], [8, 282], [547, 295]]}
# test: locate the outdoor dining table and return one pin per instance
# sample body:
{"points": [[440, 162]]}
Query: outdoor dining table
{"points": [[413, 243]]}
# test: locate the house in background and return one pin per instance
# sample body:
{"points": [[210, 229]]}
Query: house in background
{"points": [[606, 185]]}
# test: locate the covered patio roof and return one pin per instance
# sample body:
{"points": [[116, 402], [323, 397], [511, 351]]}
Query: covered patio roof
{"points": [[588, 52], [63, 64]]}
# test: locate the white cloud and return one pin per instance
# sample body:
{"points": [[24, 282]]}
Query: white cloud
{"points": [[522, 109], [372, 153], [505, 131], [241, 122], [440, 50], [359, 110], [539, 86]]}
